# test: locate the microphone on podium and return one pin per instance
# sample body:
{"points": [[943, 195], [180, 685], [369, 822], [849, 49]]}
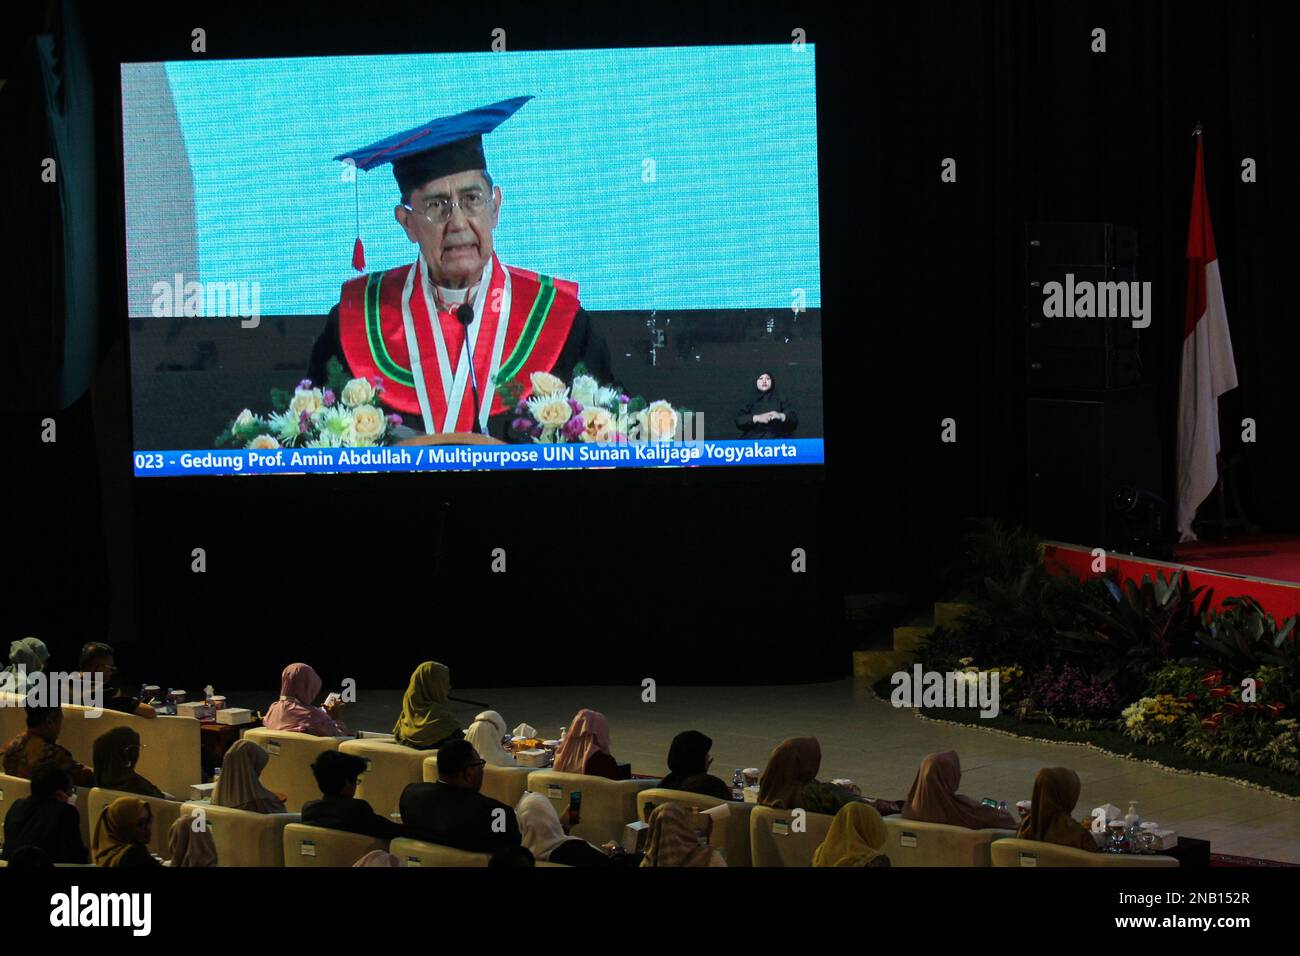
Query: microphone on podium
{"points": [[465, 315]]}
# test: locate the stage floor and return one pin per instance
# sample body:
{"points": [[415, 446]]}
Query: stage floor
{"points": [[1274, 557], [875, 745]]}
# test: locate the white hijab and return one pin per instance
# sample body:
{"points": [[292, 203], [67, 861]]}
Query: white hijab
{"points": [[539, 825], [485, 734]]}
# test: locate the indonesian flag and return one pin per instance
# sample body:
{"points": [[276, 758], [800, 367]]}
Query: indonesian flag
{"points": [[1208, 368]]}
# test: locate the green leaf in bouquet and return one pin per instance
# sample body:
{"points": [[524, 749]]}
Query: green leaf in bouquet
{"points": [[336, 376], [637, 404], [580, 369], [280, 399]]}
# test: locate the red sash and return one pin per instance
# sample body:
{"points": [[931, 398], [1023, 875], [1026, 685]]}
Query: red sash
{"points": [[373, 336]]}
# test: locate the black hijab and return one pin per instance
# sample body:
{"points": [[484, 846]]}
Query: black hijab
{"points": [[688, 756], [761, 401]]}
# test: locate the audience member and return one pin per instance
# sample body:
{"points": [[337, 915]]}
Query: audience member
{"points": [[452, 812], [585, 748], [857, 837], [934, 798], [32, 655], [378, 858], [296, 709], [688, 765], [1056, 791], [240, 786], [190, 843], [37, 745], [789, 781], [97, 658], [679, 836], [426, 722], [116, 752], [486, 734], [122, 834], [547, 838], [338, 809], [47, 819]]}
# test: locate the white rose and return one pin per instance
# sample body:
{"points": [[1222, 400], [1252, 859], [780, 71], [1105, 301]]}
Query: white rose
{"points": [[368, 424], [584, 390], [357, 392], [659, 422], [544, 383], [262, 442], [551, 412], [598, 425], [244, 419], [309, 400]]}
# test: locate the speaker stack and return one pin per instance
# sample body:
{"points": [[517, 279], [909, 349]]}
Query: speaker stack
{"points": [[1092, 429]]}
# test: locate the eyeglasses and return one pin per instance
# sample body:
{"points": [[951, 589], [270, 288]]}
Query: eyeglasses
{"points": [[438, 210]]}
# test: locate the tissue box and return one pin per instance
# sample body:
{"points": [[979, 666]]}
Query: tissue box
{"points": [[202, 791], [751, 794], [532, 758], [1164, 839], [635, 836], [234, 716], [196, 709]]}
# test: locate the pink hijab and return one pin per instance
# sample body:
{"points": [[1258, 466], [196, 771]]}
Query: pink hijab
{"points": [[299, 685], [934, 798], [587, 735]]}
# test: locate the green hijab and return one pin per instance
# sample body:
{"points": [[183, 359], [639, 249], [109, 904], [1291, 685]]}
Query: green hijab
{"points": [[426, 719]]}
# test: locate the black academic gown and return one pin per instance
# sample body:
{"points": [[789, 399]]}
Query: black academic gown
{"points": [[585, 344], [769, 401]]}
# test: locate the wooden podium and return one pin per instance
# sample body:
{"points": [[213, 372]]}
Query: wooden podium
{"points": [[452, 438]]}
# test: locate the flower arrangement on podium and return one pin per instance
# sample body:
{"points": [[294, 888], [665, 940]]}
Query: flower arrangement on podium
{"points": [[344, 413], [587, 411]]}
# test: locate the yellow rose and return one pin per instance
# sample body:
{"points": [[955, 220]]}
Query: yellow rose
{"points": [[552, 413], [263, 442], [308, 400], [544, 383], [599, 425], [357, 392], [660, 422], [368, 425]]}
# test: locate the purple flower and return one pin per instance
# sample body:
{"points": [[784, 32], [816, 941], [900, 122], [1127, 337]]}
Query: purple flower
{"points": [[305, 384], [575, 406], [522, 424], [327, 397], [521, 409], [376, 380], [304, 421], [536, 431], [573, 428], [623, 398], [394, 419]]}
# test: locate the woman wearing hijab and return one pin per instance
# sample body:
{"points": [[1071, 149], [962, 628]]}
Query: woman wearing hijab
{"points": [[378, 858], [688, 766], [679, 836], [767, 414], [485, 734], [585, 748], [544, 836], [789, 780], [934, 798], [31, 654], [116, 752], [240, 786], [857, 837], [426, 722], [1056, 791], [122, 834], [296, 710], [188, 846]]}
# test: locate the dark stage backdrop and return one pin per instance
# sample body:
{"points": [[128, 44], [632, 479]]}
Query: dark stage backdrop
{"points": [[681, 576]]}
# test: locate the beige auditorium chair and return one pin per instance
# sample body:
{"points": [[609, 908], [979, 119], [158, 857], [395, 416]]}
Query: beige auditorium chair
{"points": [[245, 838], [1035, 853], [170, 758], [288, 771], [165, 813], [775, 840], [506, 784], [729, 836], [607, 805], [913, 843], [421, 853], [319, 846], [392, 767]]}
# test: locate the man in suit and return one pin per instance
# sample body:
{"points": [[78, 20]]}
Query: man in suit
{"points": [[452, 812], [338, 809]]}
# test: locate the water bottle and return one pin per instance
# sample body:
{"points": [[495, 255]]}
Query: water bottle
{"points": [[1002, 807], [1131, 820], [738, 785], [562, 730]]}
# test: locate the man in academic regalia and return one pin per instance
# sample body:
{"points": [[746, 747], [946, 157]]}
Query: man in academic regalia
{"points": [[415, 326]]}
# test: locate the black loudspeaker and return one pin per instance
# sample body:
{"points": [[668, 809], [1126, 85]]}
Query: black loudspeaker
{"points": [[1078, 353], [1095, 471]]}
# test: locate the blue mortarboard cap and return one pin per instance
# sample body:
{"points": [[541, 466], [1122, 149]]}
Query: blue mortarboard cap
{"points": [[439, 148]]}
